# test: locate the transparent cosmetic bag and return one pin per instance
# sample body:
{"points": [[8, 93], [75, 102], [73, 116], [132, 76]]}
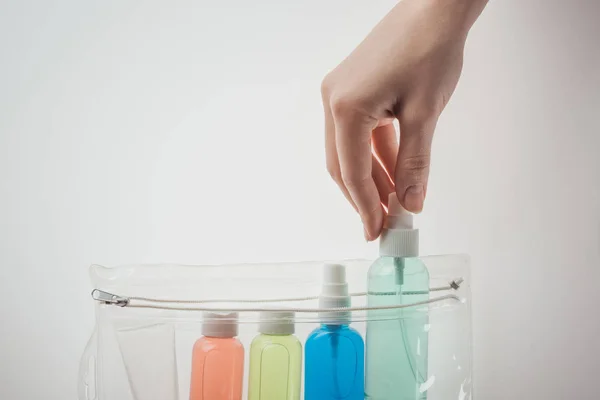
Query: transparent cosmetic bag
{"points": [[174, 332]]}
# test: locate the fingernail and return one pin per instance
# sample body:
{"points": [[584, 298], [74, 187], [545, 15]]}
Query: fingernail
{"points": [[414, 198], [366, 234]]}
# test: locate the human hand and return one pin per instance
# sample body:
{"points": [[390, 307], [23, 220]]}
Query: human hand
{"points": [[406, 69]]}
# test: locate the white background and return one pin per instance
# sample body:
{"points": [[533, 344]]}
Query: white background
{"points": [[149, 131]]}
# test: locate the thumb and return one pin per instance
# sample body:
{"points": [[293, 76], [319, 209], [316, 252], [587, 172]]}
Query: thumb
{"points": [[412, 165]]}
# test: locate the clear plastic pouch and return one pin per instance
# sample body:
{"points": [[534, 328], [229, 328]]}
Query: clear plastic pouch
{"points": [[148, 318]]}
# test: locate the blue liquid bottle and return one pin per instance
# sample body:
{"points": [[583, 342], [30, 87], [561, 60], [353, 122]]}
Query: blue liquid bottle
{"points": [[334, 366], [397, 339]]}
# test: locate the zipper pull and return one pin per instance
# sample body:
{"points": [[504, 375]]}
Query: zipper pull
{"points": [[109, 298], [455, 284]]}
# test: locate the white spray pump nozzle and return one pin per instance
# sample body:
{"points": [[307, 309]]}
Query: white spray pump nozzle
{"points": [[398, 217], [334, 281], [334, 294], [399, 237]]}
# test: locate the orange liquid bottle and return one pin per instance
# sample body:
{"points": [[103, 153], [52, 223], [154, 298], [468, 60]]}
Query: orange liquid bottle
{"points": [[218, 360]]}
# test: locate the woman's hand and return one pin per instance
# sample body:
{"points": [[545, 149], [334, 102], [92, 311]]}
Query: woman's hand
{"points": [[406, 69]]}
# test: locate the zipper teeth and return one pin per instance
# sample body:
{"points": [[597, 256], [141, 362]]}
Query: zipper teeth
{"points": [[290, 299], [280, 300], [123, 301], [162, 306]]}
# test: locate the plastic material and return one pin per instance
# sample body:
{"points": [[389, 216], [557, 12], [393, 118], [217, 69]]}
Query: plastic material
{"points": [[217, 360], [334, 364], [275, 359], [220, 325], [334, 294], [397, 340], [276, 323], [399, 238], [334, 352], [143, 349]]}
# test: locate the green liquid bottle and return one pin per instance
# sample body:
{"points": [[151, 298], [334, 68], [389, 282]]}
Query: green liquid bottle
{"points": [[275, 359], [397, 339]]}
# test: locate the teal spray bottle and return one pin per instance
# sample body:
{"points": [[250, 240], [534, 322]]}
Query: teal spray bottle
{"points": [[397, 339]]}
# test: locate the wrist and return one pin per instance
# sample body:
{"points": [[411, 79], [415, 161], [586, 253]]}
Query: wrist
{"points": [[461, 14]]}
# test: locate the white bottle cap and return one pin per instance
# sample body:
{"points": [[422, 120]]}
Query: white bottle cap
{"points": [[276, 322], [399, 238], [219, 325], [334, 294]]}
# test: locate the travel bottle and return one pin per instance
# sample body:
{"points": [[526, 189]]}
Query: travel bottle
{"points": [[275, 359], [397, 339], [218, 360], [334, 366]]}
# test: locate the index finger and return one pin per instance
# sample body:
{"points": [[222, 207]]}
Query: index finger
{"points": [[353, 143]]}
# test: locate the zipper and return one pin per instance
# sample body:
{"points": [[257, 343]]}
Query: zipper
{"points": [[107, 298]]}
